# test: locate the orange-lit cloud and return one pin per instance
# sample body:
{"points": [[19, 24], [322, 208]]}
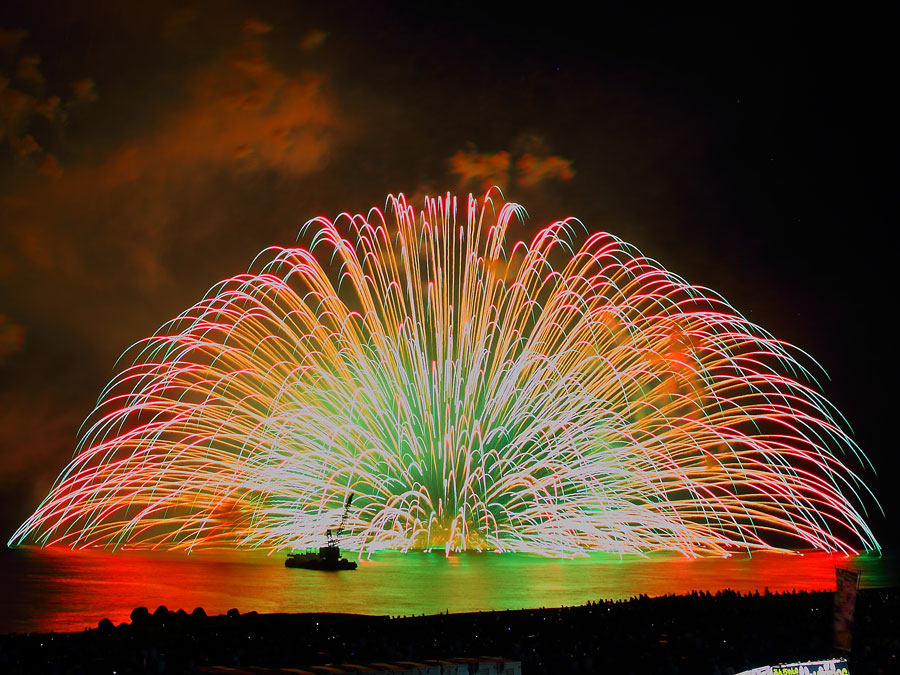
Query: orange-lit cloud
{"points": [[530, 168], [12, 338], [240, 113], [49, 108], [24, 146], [50, 167], [241, 151], [256, 27], [84, 90], [94, 237], [244, 108], [313, 39], [485, 169]]}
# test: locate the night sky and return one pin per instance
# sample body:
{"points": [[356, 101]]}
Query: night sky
{"points": [[148, 150]]}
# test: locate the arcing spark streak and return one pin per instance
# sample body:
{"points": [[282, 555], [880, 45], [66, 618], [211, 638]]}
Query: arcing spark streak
{"points": [[471, 395]]}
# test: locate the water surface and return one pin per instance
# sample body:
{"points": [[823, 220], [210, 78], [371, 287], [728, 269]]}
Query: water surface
{"points": [[63, 590]]}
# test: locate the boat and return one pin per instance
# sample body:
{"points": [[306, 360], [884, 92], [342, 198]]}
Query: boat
{"points": [[328, 557]]}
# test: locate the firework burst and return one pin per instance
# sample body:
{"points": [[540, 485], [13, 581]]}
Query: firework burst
{"points": [[471, 395]]}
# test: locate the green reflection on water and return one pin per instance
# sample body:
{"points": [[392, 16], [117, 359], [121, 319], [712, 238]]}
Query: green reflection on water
{"points": [[57, 589]]}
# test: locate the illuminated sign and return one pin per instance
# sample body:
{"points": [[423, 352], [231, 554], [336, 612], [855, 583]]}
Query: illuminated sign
{"points": [[829, 667]]}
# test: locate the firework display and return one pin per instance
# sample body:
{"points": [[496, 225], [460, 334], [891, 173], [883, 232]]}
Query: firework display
{"points": [[558, 396]]}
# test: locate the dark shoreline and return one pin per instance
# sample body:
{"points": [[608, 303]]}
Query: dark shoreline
{"points": [[697, 633]]}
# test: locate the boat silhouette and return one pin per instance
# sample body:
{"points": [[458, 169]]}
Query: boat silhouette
{"points": [[328, 557]]}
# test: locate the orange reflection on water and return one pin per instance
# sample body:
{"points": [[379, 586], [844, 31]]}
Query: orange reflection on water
{"points": [[59, 589]]}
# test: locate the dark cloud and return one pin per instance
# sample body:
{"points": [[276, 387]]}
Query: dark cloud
{"points": [[84, 90], [11, 39], [28, 72], [178, 22], [24, 146], [253, 26], [23, 105], [37, 432], [15, 110], [313, 39], [49, 108]]}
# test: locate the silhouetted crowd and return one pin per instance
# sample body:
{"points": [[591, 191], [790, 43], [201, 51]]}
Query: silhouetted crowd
{"points": [[699, 633]]}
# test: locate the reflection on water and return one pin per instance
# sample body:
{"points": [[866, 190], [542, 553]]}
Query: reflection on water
{"points": [[62, 590]]}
